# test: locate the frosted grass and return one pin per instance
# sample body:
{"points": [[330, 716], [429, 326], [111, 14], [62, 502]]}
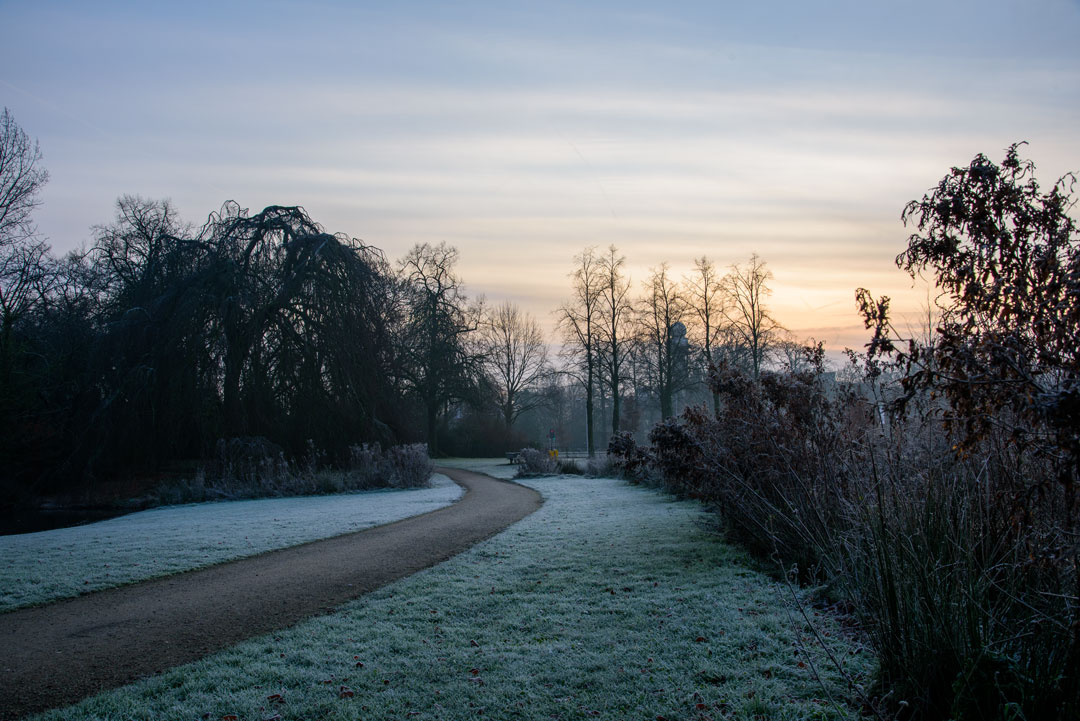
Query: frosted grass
{"points": [[40, 567], [610, 602]]}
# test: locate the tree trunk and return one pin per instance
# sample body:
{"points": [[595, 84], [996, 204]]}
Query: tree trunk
{"points": [[508, 413], [665, 400], [614, 403], [603, 413], [433, 429], [590, 439], [234, 364], [7, 353]]}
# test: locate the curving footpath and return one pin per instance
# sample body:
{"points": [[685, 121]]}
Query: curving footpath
{"points": [[58, 654]]}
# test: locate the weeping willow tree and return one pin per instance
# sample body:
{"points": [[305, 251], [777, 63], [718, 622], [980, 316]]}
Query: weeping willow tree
{"points": [[299, 324], [257, 324]]}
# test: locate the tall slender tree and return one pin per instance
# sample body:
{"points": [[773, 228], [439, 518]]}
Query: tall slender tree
{"points": [[660, 317], [579, 321], [746, 288], [616, 313], [705, 299]]}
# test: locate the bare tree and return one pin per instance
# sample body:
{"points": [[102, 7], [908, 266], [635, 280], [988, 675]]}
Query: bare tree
{"points": [[21, 179], [275, 324], [437, 361], [25, 273], [793, 355], [616, 314], [746, 288], [579, 321], [138, 250], [705, 299], [515, 356], [660, 317], [24, 259]]}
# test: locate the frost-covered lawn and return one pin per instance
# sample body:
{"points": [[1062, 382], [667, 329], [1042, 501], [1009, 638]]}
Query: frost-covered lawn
{"points": [[609, 602], [46, 566]]}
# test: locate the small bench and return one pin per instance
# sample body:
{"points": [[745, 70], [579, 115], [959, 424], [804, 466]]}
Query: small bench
{"points": [[513, 457]]}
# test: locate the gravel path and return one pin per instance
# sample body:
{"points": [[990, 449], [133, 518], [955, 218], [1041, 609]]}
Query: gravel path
{"points": [[58, 654]]}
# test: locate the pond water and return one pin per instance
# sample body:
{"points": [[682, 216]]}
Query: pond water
{"points": [[30, 520]]}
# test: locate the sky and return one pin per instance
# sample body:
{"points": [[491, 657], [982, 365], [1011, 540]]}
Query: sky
{"points": [[522, 133]]}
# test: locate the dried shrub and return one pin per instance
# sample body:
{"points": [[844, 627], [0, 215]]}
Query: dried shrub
{"points": [[570, 468], [960, 567], [365, 464], [600, 466], [777, 458], [256, 468], [628, 459], [403, 466], [407, 466], [967, 604], [535, 463], [248, 467]]}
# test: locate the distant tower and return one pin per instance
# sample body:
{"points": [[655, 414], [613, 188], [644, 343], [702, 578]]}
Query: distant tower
{"points": [[680, 353]]}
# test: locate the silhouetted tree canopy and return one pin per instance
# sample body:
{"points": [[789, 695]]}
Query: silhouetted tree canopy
{"points": [[437, 360], [1006, 350], [162, 338]]}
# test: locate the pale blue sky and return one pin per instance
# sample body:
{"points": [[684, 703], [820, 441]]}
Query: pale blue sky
{"points": [[522, 132]]}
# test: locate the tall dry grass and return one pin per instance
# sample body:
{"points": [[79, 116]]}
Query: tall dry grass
{"points": [[257, 468], [961, 570]]}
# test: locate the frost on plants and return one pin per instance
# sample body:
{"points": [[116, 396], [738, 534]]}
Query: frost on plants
{"points": [[533, 462]]}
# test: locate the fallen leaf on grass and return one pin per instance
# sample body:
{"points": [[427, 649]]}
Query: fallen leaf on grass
{"points": [[346, 692]]}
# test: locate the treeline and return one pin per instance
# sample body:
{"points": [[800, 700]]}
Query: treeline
{"points": [[160, 339], [161, 346], [637, 358], [935, 491]]}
